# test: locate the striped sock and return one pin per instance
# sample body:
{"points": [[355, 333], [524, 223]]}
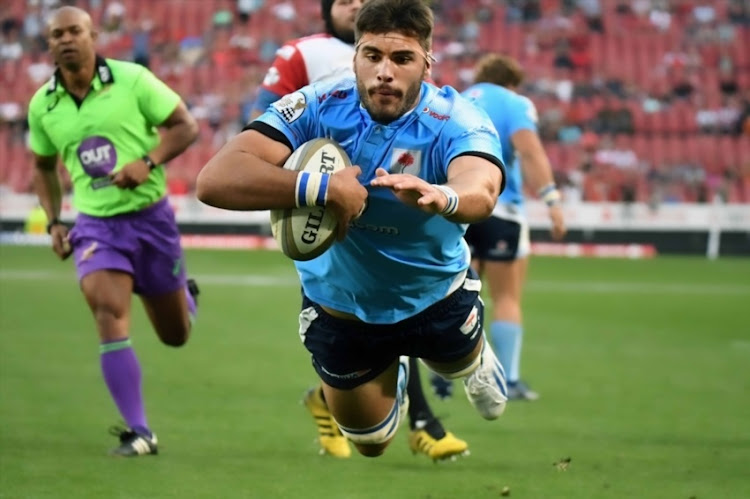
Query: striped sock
{"points": [[122, 374]]}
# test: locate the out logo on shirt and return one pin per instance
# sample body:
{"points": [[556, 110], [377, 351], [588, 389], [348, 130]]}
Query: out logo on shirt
{"points": [[97, 155], [291, 106], [406, 161]]}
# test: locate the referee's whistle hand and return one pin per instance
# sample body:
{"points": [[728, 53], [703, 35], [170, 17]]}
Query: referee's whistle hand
{"points": [[131, 175]]}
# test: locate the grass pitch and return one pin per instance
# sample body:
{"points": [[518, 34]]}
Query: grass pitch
{"points": [[643, 368]]}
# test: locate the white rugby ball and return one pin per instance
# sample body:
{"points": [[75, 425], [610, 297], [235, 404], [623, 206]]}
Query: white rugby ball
{"points": [[306, 233]]}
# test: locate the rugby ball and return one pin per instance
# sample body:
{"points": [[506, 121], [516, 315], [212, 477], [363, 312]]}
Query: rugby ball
{"points": [[306, 233]]}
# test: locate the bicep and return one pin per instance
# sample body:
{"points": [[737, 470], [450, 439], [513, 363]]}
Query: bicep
{"points": [[474, 171], [526, 142], [259, 145], [179, 116]]}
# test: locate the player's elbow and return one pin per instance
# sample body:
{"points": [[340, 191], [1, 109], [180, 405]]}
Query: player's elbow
{"points": [[486, 204], [487, 198], [192, 130], [207, 190]]}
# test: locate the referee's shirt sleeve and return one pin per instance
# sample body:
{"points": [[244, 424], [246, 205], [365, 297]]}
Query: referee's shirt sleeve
{"points": [[39, 142], [156, 100]]}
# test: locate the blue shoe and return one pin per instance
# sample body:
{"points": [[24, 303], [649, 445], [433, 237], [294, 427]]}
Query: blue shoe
{"points": [[443, 388], [518, 390]]}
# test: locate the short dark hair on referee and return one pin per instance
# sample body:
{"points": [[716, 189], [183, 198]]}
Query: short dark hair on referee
{"points": [[412, 18], [498, 69]]}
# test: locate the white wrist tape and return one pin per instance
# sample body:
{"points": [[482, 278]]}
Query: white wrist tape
{"points": [[549, 194], [311, 189], [451, 206]]}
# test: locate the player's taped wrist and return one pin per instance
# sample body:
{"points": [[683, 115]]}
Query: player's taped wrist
{"points": [[549, 194], [451, 207], [311, 189]]}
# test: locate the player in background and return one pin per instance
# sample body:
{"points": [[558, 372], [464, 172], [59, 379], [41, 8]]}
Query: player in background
{"points": [[323, 57], [398, 281], [101, 116], [500, 245]]}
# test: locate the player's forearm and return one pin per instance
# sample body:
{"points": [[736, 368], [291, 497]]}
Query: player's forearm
{"points": [[49, 190], [238, 180], [174, 141], [477, 195], [537, 171]]}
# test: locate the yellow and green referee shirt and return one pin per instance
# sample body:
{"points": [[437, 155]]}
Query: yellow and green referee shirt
{"points": [[115, 124]]}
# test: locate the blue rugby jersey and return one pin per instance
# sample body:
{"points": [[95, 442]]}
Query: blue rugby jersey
{"points": [[396, 260], [509, 112]]}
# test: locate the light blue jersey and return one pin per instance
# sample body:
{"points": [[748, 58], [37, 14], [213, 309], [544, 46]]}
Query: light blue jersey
{"points": [[509, 112], [396, 260]]}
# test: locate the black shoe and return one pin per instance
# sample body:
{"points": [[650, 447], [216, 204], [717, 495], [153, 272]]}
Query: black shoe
{"points": [[193, 290], [518, 390], [133, 444]]}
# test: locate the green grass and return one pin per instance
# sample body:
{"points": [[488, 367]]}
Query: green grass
{"points": [[643, 367]]}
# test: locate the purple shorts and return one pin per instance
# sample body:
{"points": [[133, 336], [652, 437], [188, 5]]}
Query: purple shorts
{"points": [[145, 244]]}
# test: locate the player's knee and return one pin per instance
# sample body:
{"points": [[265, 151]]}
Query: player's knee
{"points": [[107, 312], [371, 450], [174, 342], [372, 441], [175, 335], [462, 372]]}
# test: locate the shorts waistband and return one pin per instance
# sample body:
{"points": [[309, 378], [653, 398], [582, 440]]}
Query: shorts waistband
{"points": [[152, 208]]}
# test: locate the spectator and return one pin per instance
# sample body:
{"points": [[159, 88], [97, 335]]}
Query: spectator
{"points": [[10, 43], [562, 58], [246, 9]]}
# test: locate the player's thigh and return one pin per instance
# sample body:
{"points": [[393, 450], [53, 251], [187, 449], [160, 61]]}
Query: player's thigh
{"points": [[159, 264], [345, 353], [449, 332], [366, 405], [108, 294], [459, 364], [108, 291], [103, 263], [505, 279], [168, 314]]}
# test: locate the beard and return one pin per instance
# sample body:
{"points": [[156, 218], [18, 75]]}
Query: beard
{"points": [[345, 35], [402, 102]]}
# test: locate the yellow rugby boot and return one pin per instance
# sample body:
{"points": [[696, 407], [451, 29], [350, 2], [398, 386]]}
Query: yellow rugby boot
{"points": [[331, 440], [448, 447]]}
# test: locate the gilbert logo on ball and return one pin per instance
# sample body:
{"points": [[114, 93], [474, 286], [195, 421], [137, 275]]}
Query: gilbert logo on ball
{"points": [[307, 232]]}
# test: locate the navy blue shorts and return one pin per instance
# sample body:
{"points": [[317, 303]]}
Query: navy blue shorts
{"points": [[499, 239], [348, 353]]}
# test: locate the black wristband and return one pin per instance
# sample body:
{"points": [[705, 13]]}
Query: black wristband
{"points": [[150, 162], [53, 222]]}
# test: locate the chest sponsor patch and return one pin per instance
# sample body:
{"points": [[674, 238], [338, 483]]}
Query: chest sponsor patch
{"points": [[406, 161], [291, 106], [97, 155]]}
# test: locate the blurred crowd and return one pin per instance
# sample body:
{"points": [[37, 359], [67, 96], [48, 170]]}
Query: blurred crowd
{"points": [[639, 100]]}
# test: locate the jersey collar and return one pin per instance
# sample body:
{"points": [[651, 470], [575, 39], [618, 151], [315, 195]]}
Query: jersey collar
{"points": [[102, 76]]}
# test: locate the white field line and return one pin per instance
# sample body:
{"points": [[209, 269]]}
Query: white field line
{"points": [[687, 288]]}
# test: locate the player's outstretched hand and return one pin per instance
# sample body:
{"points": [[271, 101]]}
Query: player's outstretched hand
{"points": [[411, 190], [60, 242], [346, 197], [131, 175], [558, 229]]}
